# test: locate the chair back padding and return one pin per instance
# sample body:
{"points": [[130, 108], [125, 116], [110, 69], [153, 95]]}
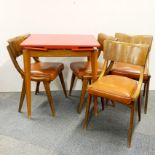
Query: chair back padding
{"points": [[126, 52]]}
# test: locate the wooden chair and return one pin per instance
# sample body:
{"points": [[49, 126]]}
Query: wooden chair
{"points": [[82, 70], [130, 70], [40, 71], [119, 88]]}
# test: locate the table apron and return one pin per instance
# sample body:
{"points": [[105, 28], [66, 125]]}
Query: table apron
{"points": [[59, 53]]}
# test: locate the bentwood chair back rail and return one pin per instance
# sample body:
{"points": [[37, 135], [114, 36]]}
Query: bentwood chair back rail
{"points": [[15, 51], [40, 71], [119, 88], [134, 71]]}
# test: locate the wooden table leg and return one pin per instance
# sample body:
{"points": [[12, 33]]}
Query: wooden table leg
{"points": [[26, 58], [94, 65]]}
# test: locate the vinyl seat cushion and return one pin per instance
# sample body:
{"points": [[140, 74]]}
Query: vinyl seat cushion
{"points": [[84, 68], [114, 87], [44, 70]]}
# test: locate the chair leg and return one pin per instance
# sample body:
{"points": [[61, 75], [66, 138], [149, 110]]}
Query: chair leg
{"points": [[102, 101], [95, 105], [72, 83], [106, 101], [83, 92], [63, 83], [37, 88], [146, 97], [85, 122], [22, 96], [144, 88], [131, 125], [139, 108], [113, 103], [89, 81], [49, 96]]}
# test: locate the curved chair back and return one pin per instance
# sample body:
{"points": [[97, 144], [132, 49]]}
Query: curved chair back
{"points": [[102, 37], [126, 52], [15, 50], [136, 39]]}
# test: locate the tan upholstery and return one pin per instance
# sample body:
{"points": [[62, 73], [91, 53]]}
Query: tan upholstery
{"points": [[40, 71], [123, 52], [128, 70], [46, 69], [81, 69], [116, 88], [119, 88]]}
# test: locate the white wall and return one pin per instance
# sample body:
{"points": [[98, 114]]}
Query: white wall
{"points": [[70, 17]]}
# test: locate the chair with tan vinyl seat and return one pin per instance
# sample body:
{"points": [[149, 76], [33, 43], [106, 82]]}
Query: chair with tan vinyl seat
{"points": [[134, 71], [119, 88], [82, 70], [40, 71]]}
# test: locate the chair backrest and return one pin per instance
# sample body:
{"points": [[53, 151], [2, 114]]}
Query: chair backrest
{"points": [[15, 50], [126, 52], [102, 37], [136, 39]]}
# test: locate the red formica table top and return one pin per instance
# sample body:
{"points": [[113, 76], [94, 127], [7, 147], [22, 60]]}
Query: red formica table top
{"points": [[60, 41]]}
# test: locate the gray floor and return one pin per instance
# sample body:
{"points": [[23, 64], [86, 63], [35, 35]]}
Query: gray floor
{"points": [[63, 135]]}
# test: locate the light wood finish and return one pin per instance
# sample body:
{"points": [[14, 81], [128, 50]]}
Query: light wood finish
{"points": [[72, 83], [95, 105], [146, 95], [135, 39], [62, 83], [139, 108], [131, 124], [127, 54], [94, 65], [102, 37], [85, 123], [26, 58], [59, 53], [38, 72], [84, 88], [22, 96], [119, 88], [53, 53], [50, 99], [144, 89]]}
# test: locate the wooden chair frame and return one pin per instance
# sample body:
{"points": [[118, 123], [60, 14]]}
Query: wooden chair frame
{"points": [[46, 81], [86, 80], [110, 58], [139, 39]]}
